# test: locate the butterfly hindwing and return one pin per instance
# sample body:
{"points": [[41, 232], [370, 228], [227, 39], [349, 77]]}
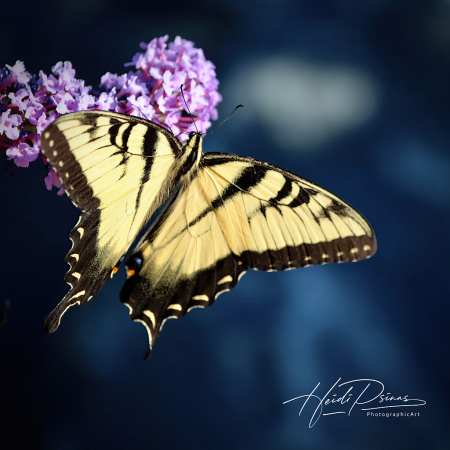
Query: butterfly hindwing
{"points": [[235, 214], [181, 263], [115, 169]]}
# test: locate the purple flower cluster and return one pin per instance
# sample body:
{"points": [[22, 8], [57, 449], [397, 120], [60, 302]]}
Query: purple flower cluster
{"points": [[14, 97], [28, 103], [154, 88]]}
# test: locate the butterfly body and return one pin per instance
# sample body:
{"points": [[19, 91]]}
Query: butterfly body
{"points": [[226, 214]]}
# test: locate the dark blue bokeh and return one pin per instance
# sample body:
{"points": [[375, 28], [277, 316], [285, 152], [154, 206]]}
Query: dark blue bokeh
{"points": [[353, 95]]}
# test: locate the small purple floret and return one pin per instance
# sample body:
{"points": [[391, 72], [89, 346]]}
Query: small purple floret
{"points": [[22, 154], [9, 124], [53, 180]]}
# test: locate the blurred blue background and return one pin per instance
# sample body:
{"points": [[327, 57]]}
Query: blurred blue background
{"points": [[351, 95]]}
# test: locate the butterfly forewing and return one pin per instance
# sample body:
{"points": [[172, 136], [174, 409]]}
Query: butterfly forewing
{"points": [[115, 169], [286, 220]]}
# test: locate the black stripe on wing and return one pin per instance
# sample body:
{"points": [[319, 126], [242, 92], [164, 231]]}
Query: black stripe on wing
{"points": [[150, 141]]}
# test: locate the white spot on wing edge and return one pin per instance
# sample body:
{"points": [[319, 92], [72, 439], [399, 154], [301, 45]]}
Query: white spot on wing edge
{"points": [[69, 306], [75, 255], [241, 274], [176, 306], [367, 247], [76, 275], [151, 316], [164, 321], [221, 292], [225, 279], [147, 328], [195, 306], [78, 294], [81, 231], [201, 297]]}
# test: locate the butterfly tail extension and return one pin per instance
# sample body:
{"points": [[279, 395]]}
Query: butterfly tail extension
{"points": [[153, 305]]}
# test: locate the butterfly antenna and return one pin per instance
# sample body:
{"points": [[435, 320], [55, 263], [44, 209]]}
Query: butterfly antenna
{"points": [[223, 121], [187, 107], [137, 107]]}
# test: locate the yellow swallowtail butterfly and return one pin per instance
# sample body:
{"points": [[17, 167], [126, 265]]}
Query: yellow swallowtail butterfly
{"points": [[226, 214]]}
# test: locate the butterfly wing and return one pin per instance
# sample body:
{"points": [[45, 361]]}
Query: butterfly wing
{"points": [[237, 213], [115, 169], [276, 220], [183, 262]]}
